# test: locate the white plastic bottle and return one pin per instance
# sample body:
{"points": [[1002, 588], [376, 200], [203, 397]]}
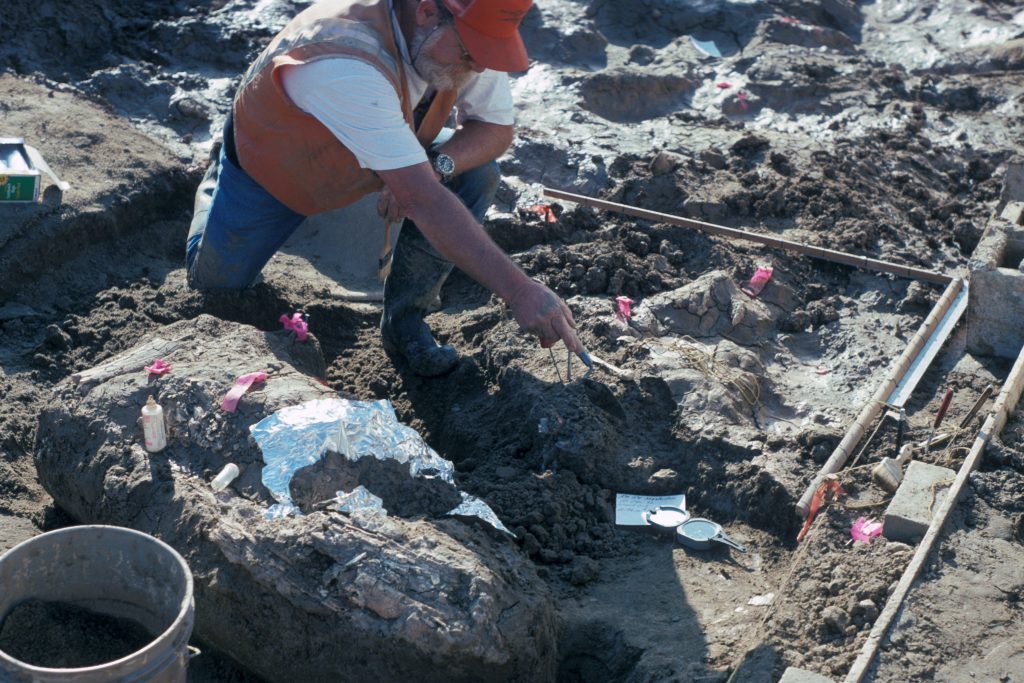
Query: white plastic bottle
{"points": [[226, 476], [153, 426]]}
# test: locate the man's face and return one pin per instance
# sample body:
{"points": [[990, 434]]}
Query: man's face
{"points": [[440, 59]]}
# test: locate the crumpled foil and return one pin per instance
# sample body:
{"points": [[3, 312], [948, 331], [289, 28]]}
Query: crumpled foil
{"points": [[359, 499], [299, 435]]}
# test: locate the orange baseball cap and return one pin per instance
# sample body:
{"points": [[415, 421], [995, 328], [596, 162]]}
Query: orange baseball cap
{"points": [[490, 31]]}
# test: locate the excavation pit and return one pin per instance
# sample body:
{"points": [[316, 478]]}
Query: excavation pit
{"points": [[875, 151]]}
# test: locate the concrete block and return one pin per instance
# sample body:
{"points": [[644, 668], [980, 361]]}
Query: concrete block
{"points": [[1014, 213], [995, 299], [795, 675], [911, 509], [1013, 183]]}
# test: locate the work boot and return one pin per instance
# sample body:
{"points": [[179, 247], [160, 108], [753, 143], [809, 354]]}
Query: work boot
{"points": [[417, 273]]}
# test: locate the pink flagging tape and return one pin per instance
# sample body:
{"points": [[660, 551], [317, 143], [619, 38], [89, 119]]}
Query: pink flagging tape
{"points": [[242, 385], [865, 529], [295, 324], [624, 310], [757, 283], [159, 367]]}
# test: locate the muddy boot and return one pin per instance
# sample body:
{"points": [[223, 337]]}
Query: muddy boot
{"points": [[417, 273]]}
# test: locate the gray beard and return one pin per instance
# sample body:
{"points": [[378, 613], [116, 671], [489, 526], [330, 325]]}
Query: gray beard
{"points": [[437, 75]]}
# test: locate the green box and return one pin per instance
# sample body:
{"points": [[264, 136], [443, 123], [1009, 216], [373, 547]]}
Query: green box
{"points": [[19, 178]]}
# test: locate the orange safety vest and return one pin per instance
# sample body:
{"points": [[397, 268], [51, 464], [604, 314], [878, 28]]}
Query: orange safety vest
{"points": [[290, 153]]}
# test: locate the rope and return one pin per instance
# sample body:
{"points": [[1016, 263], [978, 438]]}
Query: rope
{"points": [[704, 362]]}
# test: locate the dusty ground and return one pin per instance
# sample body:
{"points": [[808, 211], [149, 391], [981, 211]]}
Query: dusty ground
{"points": [[882, 129]]}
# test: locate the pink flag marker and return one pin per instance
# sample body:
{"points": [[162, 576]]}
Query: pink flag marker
{"points": [[295, 324], [159, 367], [864, 529], [623, 310], [757, 283], [242, 385]]}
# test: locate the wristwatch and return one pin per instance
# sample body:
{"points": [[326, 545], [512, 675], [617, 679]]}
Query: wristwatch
{"points": [[443, 164]]}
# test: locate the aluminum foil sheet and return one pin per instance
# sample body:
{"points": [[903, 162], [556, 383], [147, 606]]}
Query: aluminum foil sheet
{"points": [[299, 435], [359, 499]]}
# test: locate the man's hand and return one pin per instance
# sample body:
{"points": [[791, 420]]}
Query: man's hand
{"points": [[388, 207], [540, 311], [452, 230]]}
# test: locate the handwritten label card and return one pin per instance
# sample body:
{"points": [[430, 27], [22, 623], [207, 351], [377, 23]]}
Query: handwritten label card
{"points": [[629, 508]]}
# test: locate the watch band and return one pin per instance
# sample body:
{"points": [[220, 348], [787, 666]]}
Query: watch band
{"points": [[443, 164]]}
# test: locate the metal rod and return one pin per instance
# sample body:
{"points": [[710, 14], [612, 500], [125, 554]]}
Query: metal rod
{"points": [[801, 248], [868, 440], [555, 363]]}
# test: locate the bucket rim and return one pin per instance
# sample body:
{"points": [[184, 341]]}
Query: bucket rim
{"points": [[160, 641]]}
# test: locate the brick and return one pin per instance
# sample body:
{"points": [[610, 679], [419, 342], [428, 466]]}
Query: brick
{"points": [[911, 509], [795, 675]]}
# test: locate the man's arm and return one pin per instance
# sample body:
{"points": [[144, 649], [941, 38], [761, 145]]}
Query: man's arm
{"points": [[453, 231], [476, 143]]}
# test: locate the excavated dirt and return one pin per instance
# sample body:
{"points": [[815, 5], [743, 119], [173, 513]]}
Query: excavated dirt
{"points": [[882, 129], [61, 636]]}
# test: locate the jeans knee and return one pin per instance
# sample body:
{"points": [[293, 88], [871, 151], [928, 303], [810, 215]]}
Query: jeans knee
{"points": [[477, 188], [486, 178], [212, 273]]}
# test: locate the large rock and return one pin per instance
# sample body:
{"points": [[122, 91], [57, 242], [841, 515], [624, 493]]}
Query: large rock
{"points": [[713, 305], [313, 598]]}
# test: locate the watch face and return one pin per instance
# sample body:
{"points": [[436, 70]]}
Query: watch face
{"points": [[444, 165]]}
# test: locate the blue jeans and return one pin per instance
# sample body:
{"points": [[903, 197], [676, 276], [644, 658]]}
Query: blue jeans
{"points": [[238, 226]]}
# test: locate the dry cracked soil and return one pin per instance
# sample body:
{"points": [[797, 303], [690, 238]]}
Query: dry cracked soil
{"points": [[883, 129]]}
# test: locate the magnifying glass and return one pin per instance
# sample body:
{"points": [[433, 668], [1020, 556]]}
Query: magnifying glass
{"points": [[699, 533]]}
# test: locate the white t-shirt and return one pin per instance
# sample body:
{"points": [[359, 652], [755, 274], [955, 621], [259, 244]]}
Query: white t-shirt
{"points": [[359, 105]]}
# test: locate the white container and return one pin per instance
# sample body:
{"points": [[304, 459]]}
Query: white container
{"points": [[153, 427], [226, 476]]}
